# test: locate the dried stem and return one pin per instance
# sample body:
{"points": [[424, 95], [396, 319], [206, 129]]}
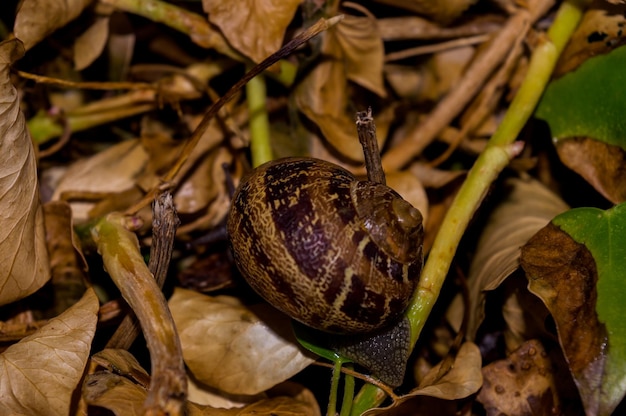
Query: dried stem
{"points": [[450, 106], [164, 224], [367, 136], [123, 261]]}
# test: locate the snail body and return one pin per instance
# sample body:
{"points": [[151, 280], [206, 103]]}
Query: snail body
{"points": [[335, 253]]}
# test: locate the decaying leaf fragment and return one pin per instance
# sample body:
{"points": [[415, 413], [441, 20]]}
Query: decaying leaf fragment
{"points": [[522, 384], [463, 379], [36, 19], [246, 355], [354, 51], [23, 252], [254, 27], [38, 375]]}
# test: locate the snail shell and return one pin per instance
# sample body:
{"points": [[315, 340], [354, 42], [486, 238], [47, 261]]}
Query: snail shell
{"points": [[332, 252]]}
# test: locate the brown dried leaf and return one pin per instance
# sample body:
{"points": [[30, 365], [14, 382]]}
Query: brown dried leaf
{"points": [[22, 237], [603, 165], [123, 363], [599, 31], [90, 44], [110, 171], [115, 393], [41, 372], [463, 379], [67, 263], [522, 384], [254, 27], [563, 274], [323, 96], [37, 19], [527, 208], [124, 398], [249, 356]]}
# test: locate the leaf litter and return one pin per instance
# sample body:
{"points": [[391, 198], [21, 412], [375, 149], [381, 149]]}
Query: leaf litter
{"points": [[106, 109]]}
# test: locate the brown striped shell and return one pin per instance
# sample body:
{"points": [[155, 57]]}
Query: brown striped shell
{"points": [[334, 253]]}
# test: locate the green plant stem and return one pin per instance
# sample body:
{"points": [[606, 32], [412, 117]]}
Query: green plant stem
{"points": [[492, 160], [348, 393], [260, 145], [334, 387]]}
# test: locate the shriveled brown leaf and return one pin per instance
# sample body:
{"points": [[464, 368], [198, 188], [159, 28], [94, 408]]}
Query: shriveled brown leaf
{"points": [[115, 393], [67, 263], [90, 44], [563, 274], [254, 27], [123, 363], [125, 398], [362, 50], [279, 406], [41, 372], [527, 208], [324, 97], [600, 31], [37, 19], [522, 384], [22, 237], [601, 164], [462, 379], [249, 356], [110, 171]]}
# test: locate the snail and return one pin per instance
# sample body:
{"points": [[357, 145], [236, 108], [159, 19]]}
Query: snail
{"points": [[335, 253]]}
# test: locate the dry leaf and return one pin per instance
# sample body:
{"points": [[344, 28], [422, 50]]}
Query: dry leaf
{"points": [[463, 379], [22, 237], [90, 44], [247, 355], [110, 171], [558, 268], [67, 263], [124, 398], [323, 96], [115, 393], [600, 163], [123, 363], [254, 27], [600, 31], [522, 384], [40, 373], [527, 208], [37, 19]]}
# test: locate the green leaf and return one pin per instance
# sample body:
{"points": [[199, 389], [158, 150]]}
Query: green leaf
{"points": [[589, 102]]}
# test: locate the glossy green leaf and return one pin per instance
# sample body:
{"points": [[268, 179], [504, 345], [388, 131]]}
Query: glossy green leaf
{"points": [[604, 234], [590, 101]]}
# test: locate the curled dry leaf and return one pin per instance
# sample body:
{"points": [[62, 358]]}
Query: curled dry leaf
{"points": [[90, 44], [41, 372], [354, 51], [521, 384], [462, 380], [67, 264], [22, 237], [111, 171], [527, 208], [36, 19], [254, 27], [600, 31], [247, 355]]}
